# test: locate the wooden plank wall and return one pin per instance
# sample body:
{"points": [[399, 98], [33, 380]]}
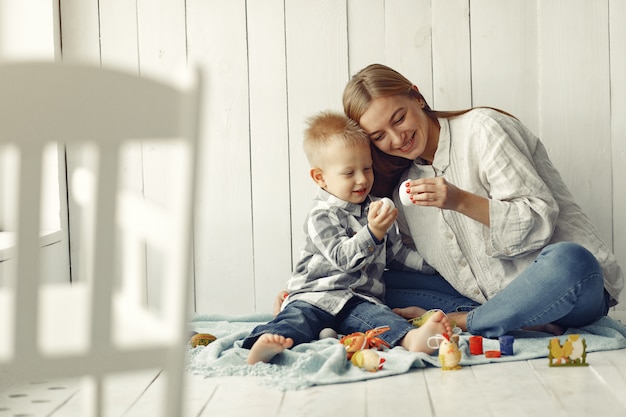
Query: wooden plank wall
{"points": [[29, 29], [558, 65]]}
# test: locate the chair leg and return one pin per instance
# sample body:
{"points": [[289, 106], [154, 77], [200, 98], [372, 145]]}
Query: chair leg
{"points": [[175, 390], [91, 393]]}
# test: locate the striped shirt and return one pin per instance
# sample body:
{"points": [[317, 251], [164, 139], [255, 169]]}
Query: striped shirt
{"points": [[494, 156], [341, 258]]}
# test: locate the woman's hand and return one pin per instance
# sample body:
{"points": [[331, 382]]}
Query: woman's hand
{"points": [[434, 192], [438, 192], [380, 218]]}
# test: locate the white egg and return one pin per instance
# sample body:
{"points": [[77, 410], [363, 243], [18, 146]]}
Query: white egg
{"points": [[386, 206], [404, 196], [389, 202]]}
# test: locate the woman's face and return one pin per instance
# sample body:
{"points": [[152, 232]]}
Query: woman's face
{"points": [[398, 125]]}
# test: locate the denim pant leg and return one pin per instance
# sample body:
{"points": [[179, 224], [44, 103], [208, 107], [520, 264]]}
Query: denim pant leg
{"points": [[360, 316], [299, 320], [564, 286], [427, 291]]}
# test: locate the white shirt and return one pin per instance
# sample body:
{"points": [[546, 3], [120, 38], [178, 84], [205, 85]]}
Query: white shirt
{"points": [[494, 156]]}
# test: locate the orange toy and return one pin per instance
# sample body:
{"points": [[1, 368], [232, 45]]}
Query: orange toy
{"points": [[368, 340]]}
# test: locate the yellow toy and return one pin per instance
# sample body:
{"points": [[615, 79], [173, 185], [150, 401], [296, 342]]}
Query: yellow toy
{"points": [[201, 339], [361, 341], [368, 360], [449, 354], [573, 351], [419, 321]]}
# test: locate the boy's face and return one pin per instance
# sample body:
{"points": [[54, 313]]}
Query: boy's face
{"points": [[345, 172]]}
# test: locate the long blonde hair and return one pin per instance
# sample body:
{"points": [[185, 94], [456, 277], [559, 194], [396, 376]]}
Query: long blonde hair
{"points": [[377, 80]]}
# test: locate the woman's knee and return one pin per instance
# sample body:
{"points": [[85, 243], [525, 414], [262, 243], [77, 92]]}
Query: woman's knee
{"points": [[573, 261], [571, 254]]}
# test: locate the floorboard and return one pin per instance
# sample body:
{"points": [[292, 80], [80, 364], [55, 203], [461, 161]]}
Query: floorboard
{"points": [[408, 395], [515, 389]]}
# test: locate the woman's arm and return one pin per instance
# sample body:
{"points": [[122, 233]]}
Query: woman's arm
{"points": [[437, 192], [493, 179]]}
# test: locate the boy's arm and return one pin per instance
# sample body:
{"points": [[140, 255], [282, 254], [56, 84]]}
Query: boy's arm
{"points": [[347, 250], [401, 257]]}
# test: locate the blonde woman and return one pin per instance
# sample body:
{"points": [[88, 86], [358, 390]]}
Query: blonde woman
{"points": [[487, 209]]}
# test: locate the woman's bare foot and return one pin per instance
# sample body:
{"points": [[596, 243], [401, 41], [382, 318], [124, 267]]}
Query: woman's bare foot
{"points": [[409, 312], [416, 340], [460, 319], [267, 346]]}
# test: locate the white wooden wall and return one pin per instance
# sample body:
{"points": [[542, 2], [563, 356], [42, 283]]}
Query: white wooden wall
{"points": [[29, 29], [558, 65]]}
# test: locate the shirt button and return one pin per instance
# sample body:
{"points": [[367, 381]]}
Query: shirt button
{"points": [[463, 264], [370, 248]]}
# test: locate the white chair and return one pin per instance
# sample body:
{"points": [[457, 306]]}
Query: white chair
{"points": [[101, 323]]}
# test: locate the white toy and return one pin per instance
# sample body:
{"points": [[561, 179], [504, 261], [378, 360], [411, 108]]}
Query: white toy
{"points": [[405, 197]]}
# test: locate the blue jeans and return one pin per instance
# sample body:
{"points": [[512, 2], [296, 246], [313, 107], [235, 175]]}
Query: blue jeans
{"points": [[564, 286], [303, 322]]}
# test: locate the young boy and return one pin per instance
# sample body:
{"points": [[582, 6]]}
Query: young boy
{"points": [[350, 240]]}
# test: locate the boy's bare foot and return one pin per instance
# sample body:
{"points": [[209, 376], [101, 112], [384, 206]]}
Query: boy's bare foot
{"points": [[267, 346], [416, 340], [409, 312]]}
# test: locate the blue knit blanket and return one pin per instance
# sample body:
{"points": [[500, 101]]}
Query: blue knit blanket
{"points": [[324, 361]]}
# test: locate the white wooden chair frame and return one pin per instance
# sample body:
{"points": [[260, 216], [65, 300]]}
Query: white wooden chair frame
{"points": [[99, 325]]}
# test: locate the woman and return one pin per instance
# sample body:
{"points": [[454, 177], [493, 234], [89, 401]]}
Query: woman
{"points": [[488, 211]]}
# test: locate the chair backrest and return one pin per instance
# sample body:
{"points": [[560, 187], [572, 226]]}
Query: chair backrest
{"points": [[101, 323]]}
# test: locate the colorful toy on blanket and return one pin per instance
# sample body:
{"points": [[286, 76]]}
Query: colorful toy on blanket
{"points": [[449, 353], [361, 341], [368, 360], [201, 339], [573, 351]]}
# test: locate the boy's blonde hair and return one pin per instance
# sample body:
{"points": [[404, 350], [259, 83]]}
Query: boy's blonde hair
{"points": [[329, 126]]}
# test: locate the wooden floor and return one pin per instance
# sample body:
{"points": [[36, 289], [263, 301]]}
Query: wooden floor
{"points": [[524, 388]]}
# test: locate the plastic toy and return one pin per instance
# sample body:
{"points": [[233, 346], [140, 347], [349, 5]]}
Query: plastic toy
{"points": [[449, 354], [506, 344], [573, 351], [201, 339], [368, 360], [492, 354], [360, 341], [476, 345]]}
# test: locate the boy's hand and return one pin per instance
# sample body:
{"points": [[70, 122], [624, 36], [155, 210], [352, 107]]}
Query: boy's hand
{"points": [[278, 302], [380, 218]]}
